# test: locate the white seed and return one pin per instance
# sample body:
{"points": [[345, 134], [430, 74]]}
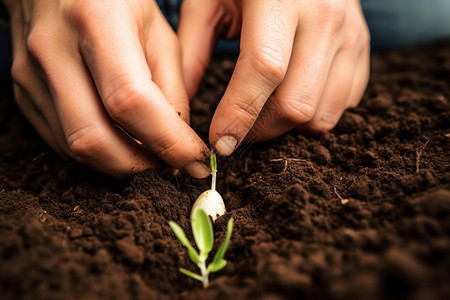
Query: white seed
{"points": [[211, 202]]}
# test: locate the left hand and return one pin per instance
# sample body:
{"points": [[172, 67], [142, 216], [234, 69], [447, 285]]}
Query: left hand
{"points": [[301, 64]]}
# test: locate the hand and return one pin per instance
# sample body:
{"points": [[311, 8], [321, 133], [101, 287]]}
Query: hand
{"points": [[301, 64], [101, 81]]}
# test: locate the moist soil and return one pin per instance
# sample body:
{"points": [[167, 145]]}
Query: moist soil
{"points": [[360, 212]]}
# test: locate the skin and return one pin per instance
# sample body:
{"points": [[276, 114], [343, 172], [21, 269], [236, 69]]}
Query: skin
{"points": [[107, 83], [101, 82], [301, 64]]}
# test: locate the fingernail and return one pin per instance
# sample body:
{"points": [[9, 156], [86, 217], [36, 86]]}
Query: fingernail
{"points": [[225, 145], [197, 169]]}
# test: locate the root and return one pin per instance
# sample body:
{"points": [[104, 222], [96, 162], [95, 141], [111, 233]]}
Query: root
{"points": [[285, 160], [419, 155], [288, 159], [343, 200], [40, 155]]}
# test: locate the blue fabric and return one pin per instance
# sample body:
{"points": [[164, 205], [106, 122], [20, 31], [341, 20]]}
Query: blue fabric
{"points": [[170, 10], [405, 23]]}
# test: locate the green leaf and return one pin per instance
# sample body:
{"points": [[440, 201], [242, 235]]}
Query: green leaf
{"points": [[190, 274], [193, 255], [217, 266], [213, 161], [183, 239], [179, 233], [223, 248], [203, 231]]}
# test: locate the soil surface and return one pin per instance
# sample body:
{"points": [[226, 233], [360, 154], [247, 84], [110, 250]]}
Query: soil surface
{"points": [[361, 212]]}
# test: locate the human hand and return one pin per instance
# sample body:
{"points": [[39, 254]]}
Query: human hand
{"points": [[101, 81], [301, 64]]}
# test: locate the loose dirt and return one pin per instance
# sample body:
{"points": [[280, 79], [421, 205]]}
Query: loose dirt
{"points": [[360, 212]]}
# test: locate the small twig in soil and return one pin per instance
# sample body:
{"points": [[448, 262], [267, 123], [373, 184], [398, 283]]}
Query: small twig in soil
{"points": [[288, 159], [43, 216], [285, 160], [40, 155], [343, 200], [419, 155]]}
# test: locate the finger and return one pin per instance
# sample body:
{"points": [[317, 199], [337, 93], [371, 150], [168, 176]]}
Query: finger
{"points": [[91, 135], [119, 68], [36, 118], [345, 87], [68, 101], [333, 103], [268, 31], [163, 56], [196, 31], [296, 99], [35, 101], [360, 82]]}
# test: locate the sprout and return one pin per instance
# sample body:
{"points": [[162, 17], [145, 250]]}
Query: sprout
{"points": [[204, 238], [211, 201]]}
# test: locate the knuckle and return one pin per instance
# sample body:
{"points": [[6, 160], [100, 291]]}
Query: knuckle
{"points": [[20, 96], [358, 36], [333, 14], [299, 110], [86, 15], [247, 113], [268, 61], [81, 11], [169, 148], [365, 37], [125, 100], [38, 41], [19, 70], [86, 143], [188, 7]]}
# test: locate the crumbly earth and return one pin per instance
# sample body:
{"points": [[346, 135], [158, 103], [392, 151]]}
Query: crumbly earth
{"points": [[360, 212]]}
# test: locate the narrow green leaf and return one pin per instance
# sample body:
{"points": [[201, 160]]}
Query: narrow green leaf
{"points": [[217, 266], [223, 248], [190, 274], [193, 255], [183, 239], [179, 233], [203, 231], [213, 161]]}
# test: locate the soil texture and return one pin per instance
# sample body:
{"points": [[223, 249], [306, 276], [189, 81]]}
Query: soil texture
{"points": [[360, 212]]}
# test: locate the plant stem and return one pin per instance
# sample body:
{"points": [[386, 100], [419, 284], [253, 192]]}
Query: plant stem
{"points": [[213, 181], [213, 162], [204, 272]]}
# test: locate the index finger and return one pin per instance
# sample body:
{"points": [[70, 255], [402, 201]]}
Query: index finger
{"points": [[115, 57], [268, 30]]}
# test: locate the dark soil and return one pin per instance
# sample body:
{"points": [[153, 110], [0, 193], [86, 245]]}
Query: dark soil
{"points": [[361, 212]]}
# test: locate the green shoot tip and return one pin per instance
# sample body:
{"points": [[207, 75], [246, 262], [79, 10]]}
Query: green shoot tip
{"points": [[213, 161]]}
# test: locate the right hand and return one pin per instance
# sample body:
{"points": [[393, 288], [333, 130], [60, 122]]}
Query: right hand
{"points": [[101, 82], [301, 64]]}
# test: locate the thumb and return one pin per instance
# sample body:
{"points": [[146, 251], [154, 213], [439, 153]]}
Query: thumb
{"points": [[197, 33]]}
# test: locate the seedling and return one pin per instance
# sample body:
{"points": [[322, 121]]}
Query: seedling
{"points": [[204, 238], [211, 201]]}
